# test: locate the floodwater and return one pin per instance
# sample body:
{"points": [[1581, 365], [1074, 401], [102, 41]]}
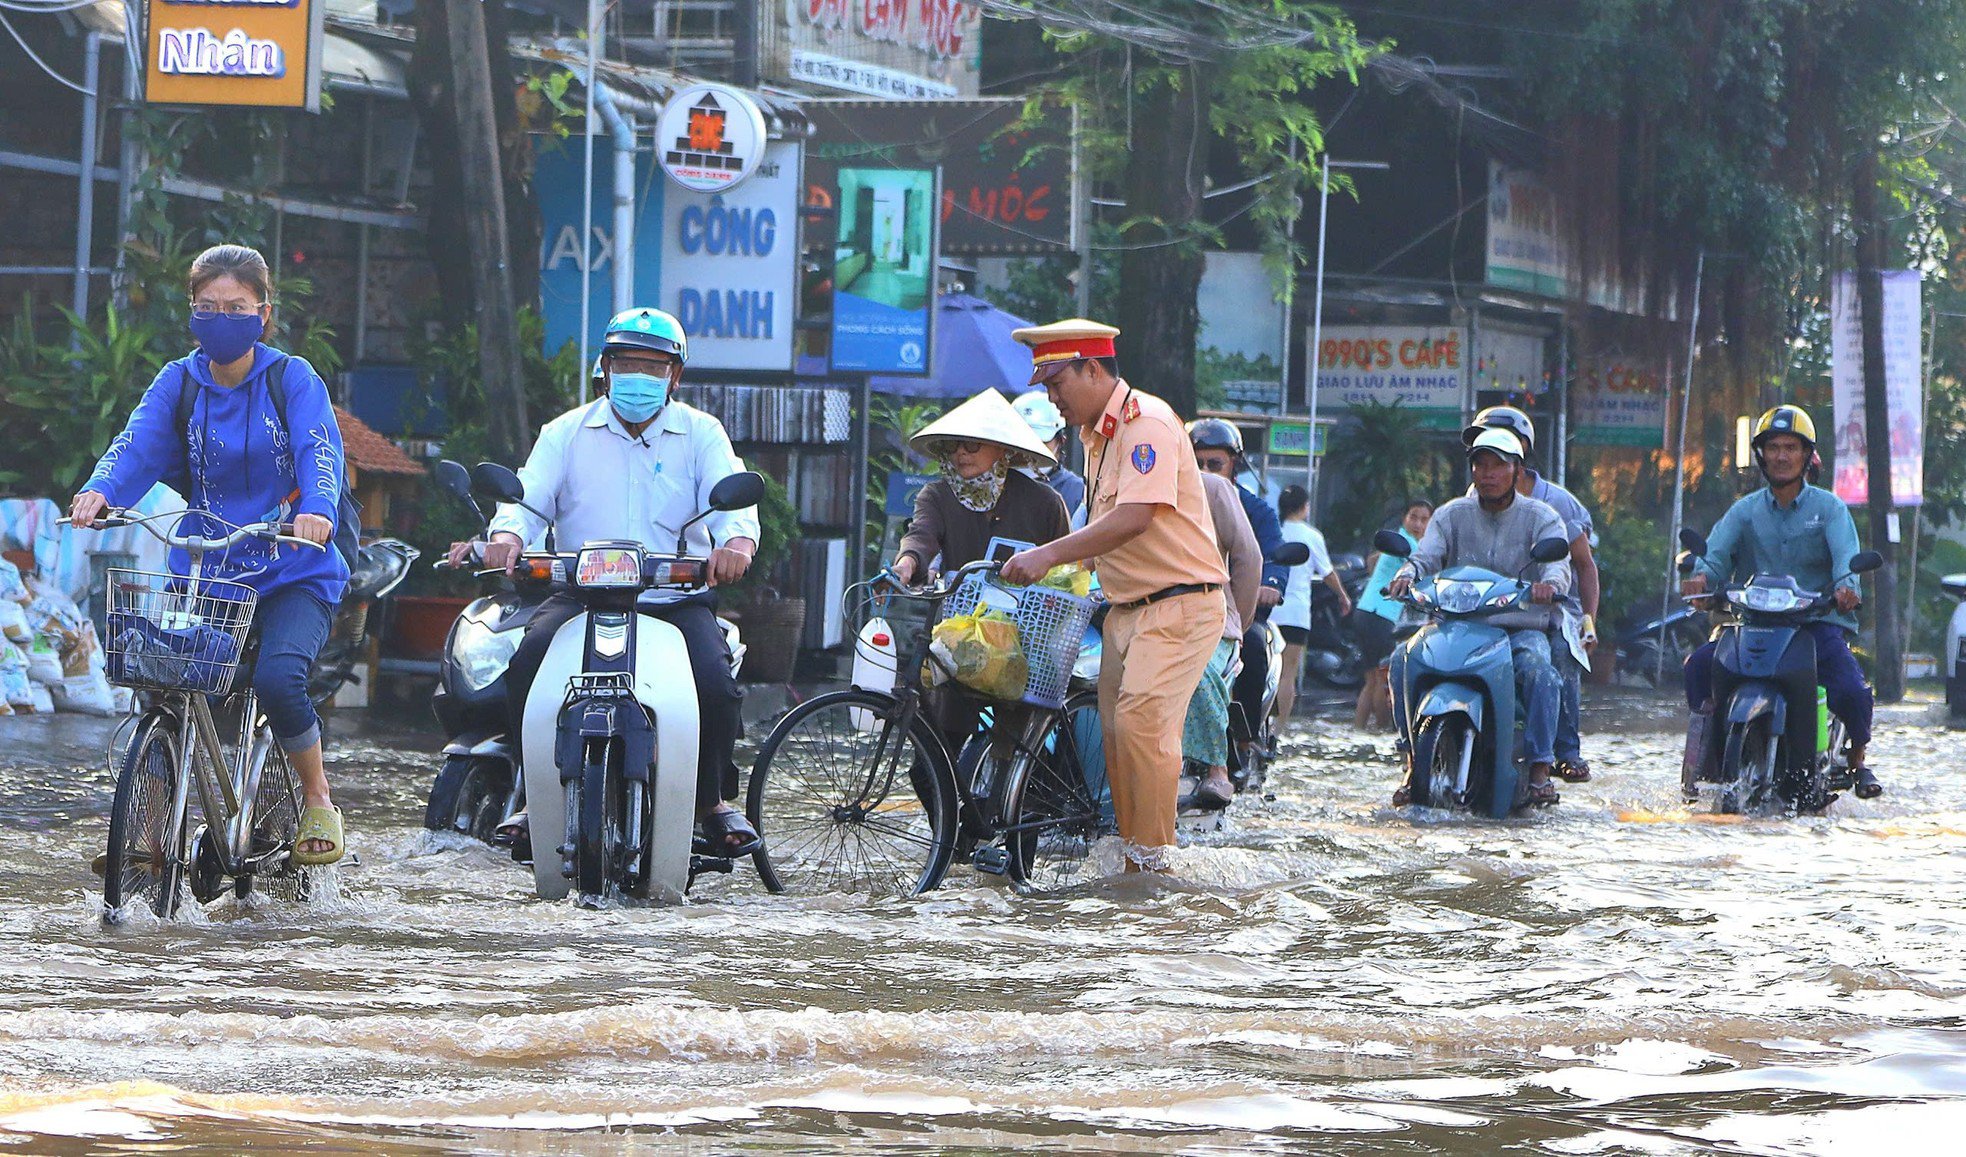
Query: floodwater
{"points": [[1616, 975]]}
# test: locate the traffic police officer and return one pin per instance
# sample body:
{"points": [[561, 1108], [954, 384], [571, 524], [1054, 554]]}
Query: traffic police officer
{"points": [[1151, 541]]}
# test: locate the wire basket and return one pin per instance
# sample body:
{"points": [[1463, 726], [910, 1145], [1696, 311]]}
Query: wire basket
{"points": [[169, 633], [1050, 628]]}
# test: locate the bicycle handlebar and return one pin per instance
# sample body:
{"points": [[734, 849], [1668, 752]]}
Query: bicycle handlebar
{"points": [[266, 531]]}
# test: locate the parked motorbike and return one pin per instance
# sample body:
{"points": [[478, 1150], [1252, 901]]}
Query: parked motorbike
{"points": [[610, 753], [1457, 675], [1770, 741], [1654, 650], [361, 618], [1332, 655], [1955, 585], [479, 784]]}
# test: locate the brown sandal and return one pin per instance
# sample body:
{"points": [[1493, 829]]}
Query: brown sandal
{"points": [[1568, 772], [1543, 794]]}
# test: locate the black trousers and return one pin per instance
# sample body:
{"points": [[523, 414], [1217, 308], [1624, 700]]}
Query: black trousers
{"points": [[1248, 690], [719, 700]]}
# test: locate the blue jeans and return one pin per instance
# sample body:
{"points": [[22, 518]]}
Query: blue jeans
{"points": [[1541, 690], [292, 624], [1849, 697]]}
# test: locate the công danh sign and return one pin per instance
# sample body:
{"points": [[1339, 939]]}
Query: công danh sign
{"points": [[256, 53]]}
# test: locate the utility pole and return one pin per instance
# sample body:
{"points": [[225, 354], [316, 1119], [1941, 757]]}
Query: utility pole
{"points": [[483, 210], [1889, 672]]}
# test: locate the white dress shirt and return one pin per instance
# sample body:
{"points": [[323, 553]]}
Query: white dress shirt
{"points": [[1295, 610], [596, 481]]}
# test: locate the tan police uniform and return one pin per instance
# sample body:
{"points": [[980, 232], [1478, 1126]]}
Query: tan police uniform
{"points": [[1166, 587]]}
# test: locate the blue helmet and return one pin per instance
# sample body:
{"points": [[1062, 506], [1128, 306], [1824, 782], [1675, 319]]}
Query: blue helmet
{"points": [[646, 329]]}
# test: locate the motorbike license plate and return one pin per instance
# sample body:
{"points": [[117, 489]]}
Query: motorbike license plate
{"points": [[609, 567]]}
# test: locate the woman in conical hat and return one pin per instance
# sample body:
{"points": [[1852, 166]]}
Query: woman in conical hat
{"points": [[980, 495]]}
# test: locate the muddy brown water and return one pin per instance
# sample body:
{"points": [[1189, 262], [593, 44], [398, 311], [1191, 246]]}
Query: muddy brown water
{"points": [[1617, 975]]}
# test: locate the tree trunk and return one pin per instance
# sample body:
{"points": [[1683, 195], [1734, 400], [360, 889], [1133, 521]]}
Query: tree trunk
{"points": [[515, 159], [482, 206], [1889, 671], [436, 107], [1158, 317]]}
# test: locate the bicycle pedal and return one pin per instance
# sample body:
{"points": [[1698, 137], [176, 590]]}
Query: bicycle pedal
{"points": [[994, 861]]}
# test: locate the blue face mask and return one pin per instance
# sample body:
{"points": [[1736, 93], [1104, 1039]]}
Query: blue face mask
{"points": [[637, 397], [227, 339]]}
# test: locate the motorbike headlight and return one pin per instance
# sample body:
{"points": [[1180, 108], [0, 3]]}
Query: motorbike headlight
{"points": [[1459, 598], [482, 654], [1769, 600]]}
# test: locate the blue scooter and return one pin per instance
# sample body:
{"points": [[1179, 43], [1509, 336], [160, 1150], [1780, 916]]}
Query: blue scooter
{"points": [[1457, 710]]}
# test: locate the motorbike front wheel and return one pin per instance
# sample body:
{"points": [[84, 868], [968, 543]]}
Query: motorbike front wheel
{"points": [[1747, 768], [597, 842], [1443, 747], [469, 796]]}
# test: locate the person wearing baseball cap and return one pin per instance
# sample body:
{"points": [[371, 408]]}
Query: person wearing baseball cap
{"points": [[1151, 540]]}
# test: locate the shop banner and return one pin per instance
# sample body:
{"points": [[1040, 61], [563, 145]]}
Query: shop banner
{"points": [[729, 269], [1619, 401], [899, 49], [253, 53], [1419, 367], [1527, 249], [884, 271], [1904, 394]]}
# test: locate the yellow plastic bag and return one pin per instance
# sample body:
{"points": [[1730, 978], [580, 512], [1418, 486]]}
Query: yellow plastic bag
{"points": [[1071, 578], [983, 653]]}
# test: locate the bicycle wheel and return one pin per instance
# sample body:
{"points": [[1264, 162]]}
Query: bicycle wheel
{"points": [[276, 821], [1058, 802], [848, 801], [147, 843]]}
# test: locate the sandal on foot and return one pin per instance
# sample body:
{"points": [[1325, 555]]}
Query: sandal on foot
{"points": [[322, 824], [516, 827], [1543, 794], [730, 835], [1402, 796], [1865, 784], [1573, 771], [1210, 798]]}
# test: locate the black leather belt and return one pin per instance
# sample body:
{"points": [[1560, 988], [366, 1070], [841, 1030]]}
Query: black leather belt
{"points": [[1173, 592]]}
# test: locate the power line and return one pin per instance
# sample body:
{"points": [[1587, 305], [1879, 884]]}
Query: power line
{"points": [[42, 64]]}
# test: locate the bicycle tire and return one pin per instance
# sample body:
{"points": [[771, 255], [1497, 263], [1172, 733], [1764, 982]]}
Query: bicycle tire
{"points": [[821, 791], [276, 823], [594, 839], [1058, 803], [146, 848]]}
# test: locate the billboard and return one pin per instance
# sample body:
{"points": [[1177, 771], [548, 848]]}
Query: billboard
{"points": [[1240, 347], [1419, 367], [1903, 388], [255, 53], [1006, 186], [1619, 401], [892, 49], [884, 270]]}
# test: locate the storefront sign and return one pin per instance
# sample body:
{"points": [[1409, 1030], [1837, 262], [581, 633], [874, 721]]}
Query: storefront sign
{"points": [[558, 179], [1618, 401], [730, 266], [1527, 247], [1419, 367], [258, 53], [709, 138], [1903, 393], [1240, 348], [1294, 438], [900, 49], [884, 270], [1006, 186]]}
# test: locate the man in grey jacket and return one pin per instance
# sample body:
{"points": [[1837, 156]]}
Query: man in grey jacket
{"points": [[1495, 529]]}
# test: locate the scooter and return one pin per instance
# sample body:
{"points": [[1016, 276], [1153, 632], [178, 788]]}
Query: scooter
{"points": [[1657, 648], [362, 616], [1955, 585], [479, 784], [1333, 656], [610, 754], [1458, 710], [1770, 741]]}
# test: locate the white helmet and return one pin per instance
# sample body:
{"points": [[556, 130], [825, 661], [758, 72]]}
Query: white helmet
{"points": [[1040, 414], [1498, 441]]}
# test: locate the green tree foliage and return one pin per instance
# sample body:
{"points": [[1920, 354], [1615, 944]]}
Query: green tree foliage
{"points": [[1380, 457]]}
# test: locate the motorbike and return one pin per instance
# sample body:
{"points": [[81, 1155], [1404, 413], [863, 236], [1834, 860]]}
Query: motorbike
{"points": [[1457, 677], [479, 784], [1656, 649], [361, 618], [610, 753], [1955, 659], [1332, 656], [1770, 742]]}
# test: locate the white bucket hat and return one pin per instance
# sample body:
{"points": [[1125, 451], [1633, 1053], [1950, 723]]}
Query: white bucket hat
{"points": [[985, 418]]}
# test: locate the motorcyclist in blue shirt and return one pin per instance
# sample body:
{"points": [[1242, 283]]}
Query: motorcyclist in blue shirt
{"points": [[1789, 527]]}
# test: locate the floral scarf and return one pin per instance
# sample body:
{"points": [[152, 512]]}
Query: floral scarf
{"points": [[980, 493]]}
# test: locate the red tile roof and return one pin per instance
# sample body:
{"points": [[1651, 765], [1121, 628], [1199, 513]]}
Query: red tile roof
{"points": [[368, 450]]}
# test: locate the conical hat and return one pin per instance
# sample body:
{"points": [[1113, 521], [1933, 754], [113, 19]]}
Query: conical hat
{"points": [[987, 417]]}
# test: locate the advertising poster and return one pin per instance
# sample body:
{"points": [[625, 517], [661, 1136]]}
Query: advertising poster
{"points": [[1903, 388], [884, 270], [1240, 349], [1419, 367], [1619, 401]]}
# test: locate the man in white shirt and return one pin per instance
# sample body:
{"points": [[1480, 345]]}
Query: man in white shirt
{"points": [[636, 464]]}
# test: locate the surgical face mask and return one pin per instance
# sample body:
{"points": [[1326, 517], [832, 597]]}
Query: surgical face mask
{"points": [[638, 397], [227, 339]]}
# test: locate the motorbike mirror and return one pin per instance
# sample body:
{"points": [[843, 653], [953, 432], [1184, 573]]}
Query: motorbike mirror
{"points": [[1685, 562], [1866, 560], [1551, 549], [498, 481], [1291, 554], [737, 491], [1392, 542], [1955, 585], [1693, 540], [454, 478]]}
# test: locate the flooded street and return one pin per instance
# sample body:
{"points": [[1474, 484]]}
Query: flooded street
{"points": [[1617, 975]]}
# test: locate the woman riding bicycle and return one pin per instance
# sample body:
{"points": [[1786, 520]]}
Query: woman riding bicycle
{"points": [[210, 427]]}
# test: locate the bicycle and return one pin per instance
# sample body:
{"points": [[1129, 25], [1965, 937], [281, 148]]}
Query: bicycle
{"points": [[1020, 798], [182, 639]]}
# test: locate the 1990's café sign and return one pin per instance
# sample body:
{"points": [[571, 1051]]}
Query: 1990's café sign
{"points": [[260, 53]]}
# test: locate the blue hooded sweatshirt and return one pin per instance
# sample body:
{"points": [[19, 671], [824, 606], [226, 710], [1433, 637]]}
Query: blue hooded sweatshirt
{"points": [[235, 460]]}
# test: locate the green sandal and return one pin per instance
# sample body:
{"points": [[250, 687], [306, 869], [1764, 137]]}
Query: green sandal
{"points": [[319, 823]]}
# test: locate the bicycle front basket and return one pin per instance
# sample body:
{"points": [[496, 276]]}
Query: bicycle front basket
{"points": [[1050, 626], [167, 633]]}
